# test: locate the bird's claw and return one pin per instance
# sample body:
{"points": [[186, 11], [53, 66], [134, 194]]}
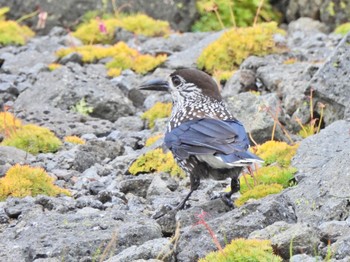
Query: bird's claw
{"points": [[226, 198]]}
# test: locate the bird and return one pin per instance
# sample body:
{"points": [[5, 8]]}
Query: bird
{"points": [[206, 140]]}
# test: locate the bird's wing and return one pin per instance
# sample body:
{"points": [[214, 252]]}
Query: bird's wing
{"points": [[207, 136]]}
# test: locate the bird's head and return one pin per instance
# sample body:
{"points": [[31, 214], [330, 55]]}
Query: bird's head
{"points": [[186, 85]]}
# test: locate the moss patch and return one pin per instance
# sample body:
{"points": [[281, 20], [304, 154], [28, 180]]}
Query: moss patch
{"points": [[123, 57], [239, 250], [275, 174], [156, 161], [22, 181], [101, 31], [235, 45], [33, 139], [12, 33], [159, 110]]}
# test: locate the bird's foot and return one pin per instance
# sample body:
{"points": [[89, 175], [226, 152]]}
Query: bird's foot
{"points": [[226, 198]]}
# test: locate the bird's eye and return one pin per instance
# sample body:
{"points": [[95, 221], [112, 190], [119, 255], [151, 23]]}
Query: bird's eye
{"points": [[176, 81]]}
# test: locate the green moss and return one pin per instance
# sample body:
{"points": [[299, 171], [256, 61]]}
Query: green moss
{"points": [[242, 250], [150, 141], [268, 175], [82, 107], [21, 181], [159, 110], [230, 13], [74, 140], [33, 139], [235, 45], [123, 57], [11, 33], [343, 29], [277, 152], [156, 161], [275, 175], [90, 33], [258, 192]]}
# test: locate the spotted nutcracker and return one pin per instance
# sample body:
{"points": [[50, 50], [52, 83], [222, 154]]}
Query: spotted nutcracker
{"points": [[207, 141]]}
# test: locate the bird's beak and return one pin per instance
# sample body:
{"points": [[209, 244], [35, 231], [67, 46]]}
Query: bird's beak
{"points": [[155, 85]]}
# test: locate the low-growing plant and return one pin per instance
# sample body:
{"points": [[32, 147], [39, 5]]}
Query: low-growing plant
{"points": [[74, 140], [33, 139], [241, 250], [54, 66], [314, 125], [151, 140], [276, 152], [236, 44], [82, 107], [218, 14], [156, 161], [258, 192], [12, 33], [159, 110], [342, 29], [22, 181], [123, 57], [275, 174], [8, 123], [91, 32]]}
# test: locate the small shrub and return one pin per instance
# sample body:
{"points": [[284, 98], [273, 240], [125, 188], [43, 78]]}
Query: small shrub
{"points": [[343, 29], [241, 250], [216, 14], [11, 33], [21, 181], [90, 32], [258, 192], [235, 45], [74, 140], [33, 139], [156, 161], [82, 108], [159, 110]]}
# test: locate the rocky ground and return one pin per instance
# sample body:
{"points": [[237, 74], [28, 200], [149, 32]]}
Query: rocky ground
{"points": [[112, 214]]}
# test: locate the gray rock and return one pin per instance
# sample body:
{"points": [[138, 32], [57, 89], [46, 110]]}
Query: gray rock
{"points": [[301, 238], [15, 206], [331, 13], [181, 14], [304, 258], [137, 185], [322, 193], [155, 248], [188, 57], [253, 112], [33, 236], [172, 44], [10, 156], [56, 99], [82, 157], [239, 222], [333, 230], [129, 123], [331, 86], [306, 24]]}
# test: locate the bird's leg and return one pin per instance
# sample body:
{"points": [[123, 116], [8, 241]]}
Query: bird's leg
{"points": [[226, 197], [195, 181]]}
